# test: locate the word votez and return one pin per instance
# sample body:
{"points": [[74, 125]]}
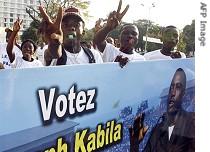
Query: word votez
{"points": [[61, 106]]}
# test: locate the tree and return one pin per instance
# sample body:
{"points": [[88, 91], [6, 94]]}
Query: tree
{"points": [[30, 33], [51, 7], [153, 31], [181, 46], [89, 34], [189, 38]]}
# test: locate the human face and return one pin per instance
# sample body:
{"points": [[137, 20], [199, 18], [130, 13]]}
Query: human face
{"points": [[28, 50], [170, 37], [129, 37], [72, 30], [176, 92]]}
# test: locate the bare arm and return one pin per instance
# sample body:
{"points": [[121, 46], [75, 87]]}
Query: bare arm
{"points": [[12, 40], [47, 57], [52, 33], [113, 21], [99, 38]]}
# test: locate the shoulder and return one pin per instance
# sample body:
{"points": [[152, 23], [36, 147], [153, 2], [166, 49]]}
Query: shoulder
{"points": [[38, 63], [18, 59], [110, 47], [17, 62], [187, 117], [92, 53], [97, 55], [152, 53], [189, 114], [138, 56]]}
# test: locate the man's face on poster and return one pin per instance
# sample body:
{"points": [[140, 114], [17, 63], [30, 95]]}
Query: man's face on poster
{"points": [[176, 92]]}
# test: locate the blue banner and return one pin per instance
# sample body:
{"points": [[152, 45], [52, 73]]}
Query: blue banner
{"points": [[85, 107]]}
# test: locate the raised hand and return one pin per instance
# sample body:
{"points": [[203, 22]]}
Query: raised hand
{"points": [[137, 132], [115, 17], [51, 30], [17, 25], [98, 25]]}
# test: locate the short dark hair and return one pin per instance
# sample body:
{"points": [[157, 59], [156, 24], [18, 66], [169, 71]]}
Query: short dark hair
{"points": [[127, 24], [167, 27], [170, 26], [184, 75], [31, 41], [73, 17]]}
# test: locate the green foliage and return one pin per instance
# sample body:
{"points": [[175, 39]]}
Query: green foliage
{"points": [[30, 33], [181, 46], [52, 6], [116, 32], [189, 38], [89, 34], [153, 31]]}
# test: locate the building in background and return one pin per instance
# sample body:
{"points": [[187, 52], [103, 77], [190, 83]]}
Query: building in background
{"points": [[10, 10]]}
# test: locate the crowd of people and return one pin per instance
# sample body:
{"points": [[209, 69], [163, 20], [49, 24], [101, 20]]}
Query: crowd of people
{"points": [[62, 42], [62, 45]]}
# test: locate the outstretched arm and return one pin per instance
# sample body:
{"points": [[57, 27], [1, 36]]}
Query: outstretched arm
{"points": [[12, 39], [137, 133], [113, 21], [52, 32]]}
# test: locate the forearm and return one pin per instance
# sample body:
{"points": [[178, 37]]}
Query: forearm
{"points": [[10, 46], [54, 50], [99, 38]]}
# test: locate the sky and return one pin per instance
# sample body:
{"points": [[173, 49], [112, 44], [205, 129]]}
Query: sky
{"points": [[165, 12]]}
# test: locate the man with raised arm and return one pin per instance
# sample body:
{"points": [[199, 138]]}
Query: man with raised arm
{"points": [[63, 36], [129, 35]]}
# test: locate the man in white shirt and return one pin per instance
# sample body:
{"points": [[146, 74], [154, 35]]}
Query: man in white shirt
{"points": [[129, 35], [64, 37], [170, 38]]}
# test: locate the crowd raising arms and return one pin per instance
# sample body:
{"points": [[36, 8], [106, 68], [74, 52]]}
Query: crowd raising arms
{"points": [[63, 36]]}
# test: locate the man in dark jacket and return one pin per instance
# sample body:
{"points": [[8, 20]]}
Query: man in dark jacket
{"points": [[176, 131]]}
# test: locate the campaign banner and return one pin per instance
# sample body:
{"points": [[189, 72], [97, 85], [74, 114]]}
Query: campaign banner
{"points": [[88, 107]]}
